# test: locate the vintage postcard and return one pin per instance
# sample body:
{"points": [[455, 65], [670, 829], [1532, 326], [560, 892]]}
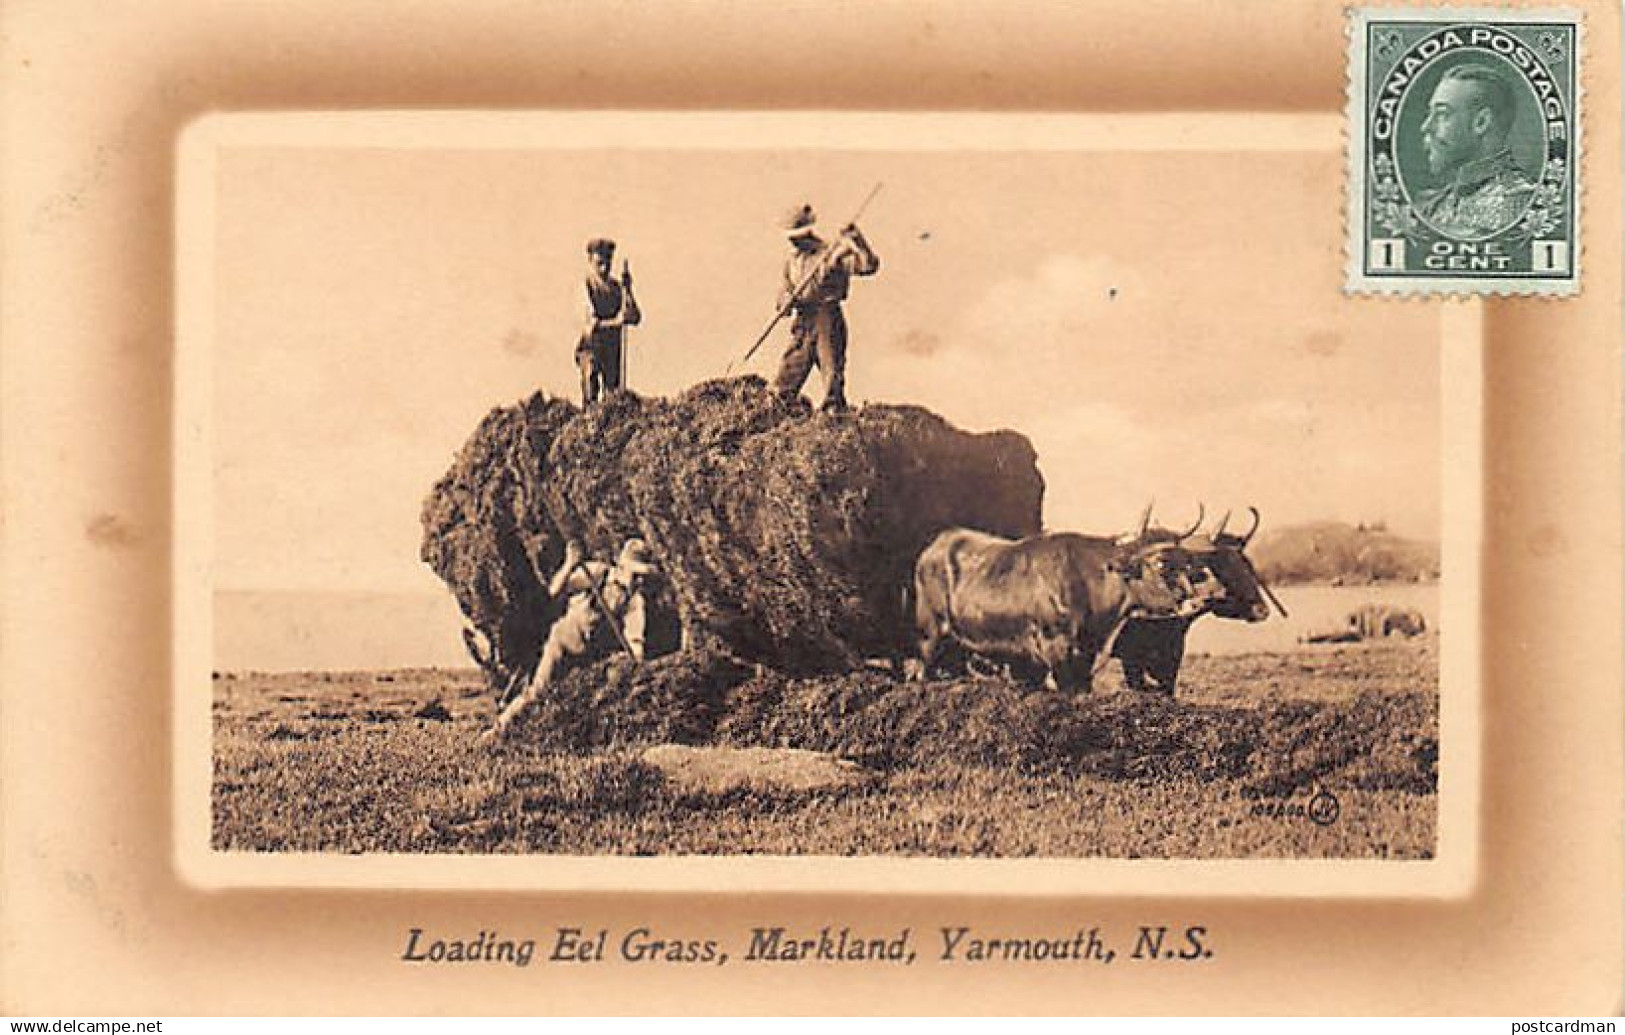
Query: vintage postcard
{"points": [[682, 498], [1464, 150], [845, 508]]}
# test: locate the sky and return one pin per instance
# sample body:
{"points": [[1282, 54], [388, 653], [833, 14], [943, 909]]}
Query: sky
{"points": [[1162, 325]]}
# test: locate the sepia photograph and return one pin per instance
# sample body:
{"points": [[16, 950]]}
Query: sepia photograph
{"points": [[785, 486]]}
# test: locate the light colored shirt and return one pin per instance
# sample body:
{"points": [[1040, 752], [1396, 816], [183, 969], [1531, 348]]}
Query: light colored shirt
{"points": [[830, 287], [622, 594]]}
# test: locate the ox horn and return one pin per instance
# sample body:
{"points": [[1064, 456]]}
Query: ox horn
{"points": [[1201, 512], [1224, 521], [1145, 521], [1257, 520]]}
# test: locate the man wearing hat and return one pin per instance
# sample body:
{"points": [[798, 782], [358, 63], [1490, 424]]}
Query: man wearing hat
{"points": [[610, 308], [594, 588], [816, 279]]}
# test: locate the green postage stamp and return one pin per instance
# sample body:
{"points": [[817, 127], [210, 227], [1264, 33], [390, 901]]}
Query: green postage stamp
{"points": [[1464, 151]]}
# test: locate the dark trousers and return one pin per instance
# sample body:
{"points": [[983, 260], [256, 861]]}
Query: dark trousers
{"points": [[600, 365], [817, 338]]}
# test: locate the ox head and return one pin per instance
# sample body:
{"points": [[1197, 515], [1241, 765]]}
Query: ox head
{"points": [[1211, 571], [1155, 566], [1152, 575]]}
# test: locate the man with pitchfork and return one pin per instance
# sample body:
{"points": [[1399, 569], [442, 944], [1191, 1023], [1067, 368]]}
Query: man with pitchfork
{"points": [[817, 276], [611, 308]]}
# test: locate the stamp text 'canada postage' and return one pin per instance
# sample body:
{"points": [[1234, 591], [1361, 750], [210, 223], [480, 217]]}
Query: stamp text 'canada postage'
{"points": [[1464, 151]]}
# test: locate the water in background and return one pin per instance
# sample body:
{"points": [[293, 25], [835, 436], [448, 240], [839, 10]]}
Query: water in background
{"points": [[283, 631], [294, 631]]}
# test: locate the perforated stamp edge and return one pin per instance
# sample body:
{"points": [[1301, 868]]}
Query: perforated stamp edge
{"points": [[1356, 281]]}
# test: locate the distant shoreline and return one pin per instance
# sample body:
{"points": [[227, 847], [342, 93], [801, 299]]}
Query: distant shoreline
{"points": [[354, 636]]}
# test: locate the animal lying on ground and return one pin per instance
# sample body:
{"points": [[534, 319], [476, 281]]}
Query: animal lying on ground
{"points": [[1373, 622]]}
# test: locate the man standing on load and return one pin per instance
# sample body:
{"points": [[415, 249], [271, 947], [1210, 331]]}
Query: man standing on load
{"points": [[611, 309], [597, 592], [816, 279]]}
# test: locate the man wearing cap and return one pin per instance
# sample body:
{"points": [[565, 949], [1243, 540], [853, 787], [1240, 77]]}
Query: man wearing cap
{"points": [[594, 587], [610, 308], [816, 279]]}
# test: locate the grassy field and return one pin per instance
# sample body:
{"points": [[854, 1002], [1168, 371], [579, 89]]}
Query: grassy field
{"points": [[1254, 746]]}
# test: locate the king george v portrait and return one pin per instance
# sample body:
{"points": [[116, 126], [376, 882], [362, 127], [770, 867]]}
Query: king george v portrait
{"points": [[1479, 188]]}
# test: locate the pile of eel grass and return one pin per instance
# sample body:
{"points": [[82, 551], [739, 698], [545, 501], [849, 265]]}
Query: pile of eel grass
{"points": [[785, 536], [1372, 740]]}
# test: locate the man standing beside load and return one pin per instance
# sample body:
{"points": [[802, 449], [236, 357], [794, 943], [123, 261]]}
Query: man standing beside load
{"points": [[596, 594], [817, 276]]}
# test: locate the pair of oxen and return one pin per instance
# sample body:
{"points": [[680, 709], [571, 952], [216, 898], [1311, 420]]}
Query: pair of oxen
{"points": [[1057, 606]]}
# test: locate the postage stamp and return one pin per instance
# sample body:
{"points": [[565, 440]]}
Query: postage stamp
{"points": [[1464, 151]]}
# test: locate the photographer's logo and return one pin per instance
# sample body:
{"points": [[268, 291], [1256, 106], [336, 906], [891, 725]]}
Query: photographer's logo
{"points": [[1324, 809], [1294, 803]]}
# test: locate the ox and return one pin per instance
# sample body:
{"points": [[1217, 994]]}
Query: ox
{"points": [[1155, 647], [1376, 621], [1057, 600]]}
